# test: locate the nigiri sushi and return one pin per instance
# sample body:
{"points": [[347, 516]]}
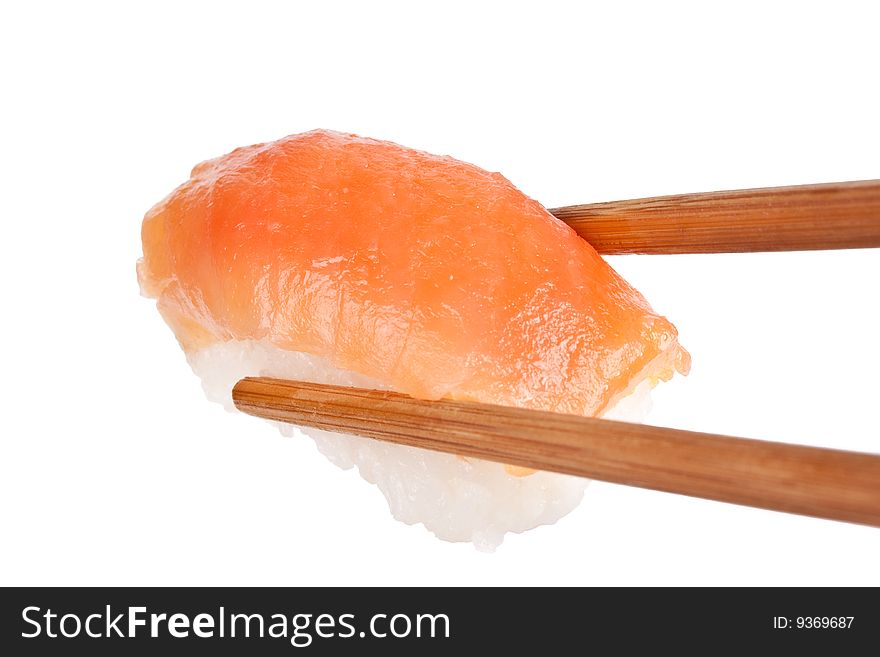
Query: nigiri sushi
{"points": [[335, 258]]}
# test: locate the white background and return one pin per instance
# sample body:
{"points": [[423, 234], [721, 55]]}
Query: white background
{"points": [[116, 470]]}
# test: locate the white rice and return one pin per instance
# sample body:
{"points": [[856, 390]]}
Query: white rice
{"points": [[456, 498]]}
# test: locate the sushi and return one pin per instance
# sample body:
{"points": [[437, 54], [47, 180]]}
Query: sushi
{"points": [[334, 258]]}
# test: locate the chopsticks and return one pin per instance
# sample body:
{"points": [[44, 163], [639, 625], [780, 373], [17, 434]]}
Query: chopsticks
{"points": [[808, 217], [811, 481]]}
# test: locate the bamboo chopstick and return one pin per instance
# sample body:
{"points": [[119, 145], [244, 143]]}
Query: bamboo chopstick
{"points": [[808, 217], [811, 481]]}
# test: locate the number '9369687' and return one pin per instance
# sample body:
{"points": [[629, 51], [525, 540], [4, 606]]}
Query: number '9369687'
{"points": [[813, 622]]}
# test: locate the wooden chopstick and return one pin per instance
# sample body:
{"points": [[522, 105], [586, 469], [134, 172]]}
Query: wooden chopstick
{"points": [[811, 481], [808, 217]]}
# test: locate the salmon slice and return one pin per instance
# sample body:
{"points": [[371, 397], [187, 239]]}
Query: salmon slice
{"points": [[427, 274]]}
